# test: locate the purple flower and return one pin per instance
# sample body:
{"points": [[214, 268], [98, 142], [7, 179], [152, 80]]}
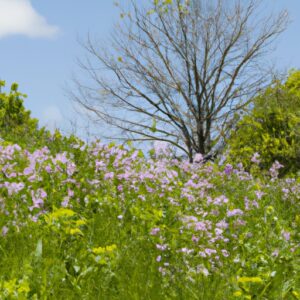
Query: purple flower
{"points": [[162, 271], [195, 239], [235, 212], [161, 148], [109, 175], [37, 199], [60, 157], [198, 158], [29, 170], [225, 253], [286, 235], [4, 230], [100, 165], [161, 247], [228, 169], [71, 167], [200, 226], [218, 231], [202, 254], [13, 187], [209, 251], [48, 169], [255, 158], [186, 250], [222, 224], [220, 200], [274, 169], [70, 193], [259, 194], [155, 231], [65, 202]]}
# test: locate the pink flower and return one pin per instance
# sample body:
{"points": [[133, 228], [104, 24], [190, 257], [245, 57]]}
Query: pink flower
{"points": [[154, 231]]}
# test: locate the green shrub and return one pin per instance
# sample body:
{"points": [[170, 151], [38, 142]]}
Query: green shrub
{"points": [[271, 129], [15, 121], [17, 125]]}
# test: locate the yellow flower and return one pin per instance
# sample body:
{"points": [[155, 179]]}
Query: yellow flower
{"points": [[98, 250], [111, 248], [250, 279], [270, 210], [102, 250], [63, 212], [74, 231], [80, 222], [237, 294]]}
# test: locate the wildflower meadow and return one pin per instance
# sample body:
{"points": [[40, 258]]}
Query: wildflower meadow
{"points": [[109, 222]]}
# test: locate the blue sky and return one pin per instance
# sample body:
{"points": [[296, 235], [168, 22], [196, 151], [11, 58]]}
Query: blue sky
{"points": [[39, 47]]}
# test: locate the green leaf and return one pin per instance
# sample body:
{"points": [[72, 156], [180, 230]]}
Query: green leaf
{"points": [[14, 87]]}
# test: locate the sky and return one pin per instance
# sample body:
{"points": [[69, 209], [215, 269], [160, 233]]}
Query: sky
{"points": [[39, 49]]}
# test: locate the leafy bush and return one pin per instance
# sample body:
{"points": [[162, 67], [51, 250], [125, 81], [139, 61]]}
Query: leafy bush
{"points": [[15, 120], [271, 129], [17, 126]]}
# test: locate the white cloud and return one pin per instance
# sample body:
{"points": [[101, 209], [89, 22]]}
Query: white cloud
{"points": [[51, 117], [19, 17]]}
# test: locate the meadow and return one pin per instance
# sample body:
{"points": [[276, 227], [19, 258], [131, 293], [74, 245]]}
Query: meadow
{"points": [[106, 222]]}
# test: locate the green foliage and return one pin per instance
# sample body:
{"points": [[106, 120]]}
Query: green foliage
{"points": [[272, 128], [17, 126], [15, 120]]}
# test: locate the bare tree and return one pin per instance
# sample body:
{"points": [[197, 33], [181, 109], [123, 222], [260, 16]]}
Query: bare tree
{"points": [[179, 71]]}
